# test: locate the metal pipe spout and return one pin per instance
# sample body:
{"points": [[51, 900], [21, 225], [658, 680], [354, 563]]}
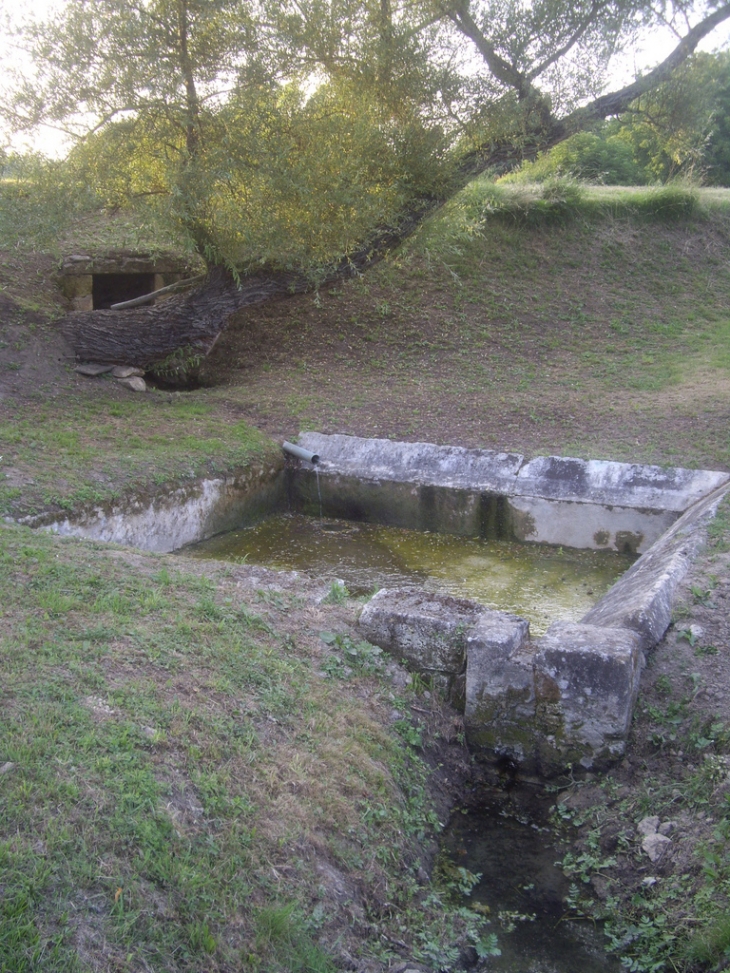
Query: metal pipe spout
{"points": [[301, 453]]}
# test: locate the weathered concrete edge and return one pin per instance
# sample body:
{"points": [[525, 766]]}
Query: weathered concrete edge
{"points": [[642, 598], [162, 523], [597, 482], [566, 699]]}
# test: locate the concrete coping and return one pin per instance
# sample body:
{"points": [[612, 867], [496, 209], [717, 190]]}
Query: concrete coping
{"points": [[547, 477], [565, 699], [426, 463]]}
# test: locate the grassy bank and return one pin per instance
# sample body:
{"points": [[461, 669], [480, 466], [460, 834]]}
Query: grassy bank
{"points": [[594, 326], [191, 776]]}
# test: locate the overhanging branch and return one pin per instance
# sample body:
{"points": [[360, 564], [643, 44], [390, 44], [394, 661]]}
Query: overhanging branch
{"points": [[617, 102]]}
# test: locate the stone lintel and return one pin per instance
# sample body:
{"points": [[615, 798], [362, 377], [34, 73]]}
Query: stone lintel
{"points": [[124, 262]]}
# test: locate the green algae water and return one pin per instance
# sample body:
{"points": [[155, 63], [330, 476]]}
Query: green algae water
{"points": [[510, 844], [536, 581]]}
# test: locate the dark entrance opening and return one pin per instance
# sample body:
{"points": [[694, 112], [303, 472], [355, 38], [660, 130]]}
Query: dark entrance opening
{"points": [[108, 289]]}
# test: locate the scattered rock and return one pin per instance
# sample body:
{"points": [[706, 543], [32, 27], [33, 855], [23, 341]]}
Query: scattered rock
{"points": [[127, 371], [135, 383], [92, 370], [648, 826], [667, 827], [655, 846], [99, 707], [398, 675], [6, 767]]}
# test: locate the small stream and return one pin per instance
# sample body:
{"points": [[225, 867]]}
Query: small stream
{"points": [[537, 581], [511, 843]]}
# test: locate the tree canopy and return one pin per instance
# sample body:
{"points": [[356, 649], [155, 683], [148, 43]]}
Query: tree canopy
{"points": [[299, 136], [284, 133]]}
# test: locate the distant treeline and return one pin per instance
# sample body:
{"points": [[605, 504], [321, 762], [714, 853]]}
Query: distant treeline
{"points": [[682, 129]]}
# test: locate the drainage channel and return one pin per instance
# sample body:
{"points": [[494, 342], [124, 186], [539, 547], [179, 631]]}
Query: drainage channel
{"points": [[509, 841], [507, 838]]}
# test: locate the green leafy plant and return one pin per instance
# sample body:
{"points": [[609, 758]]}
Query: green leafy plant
{"points": [[338, 593], [350, 655], [413, 735]]}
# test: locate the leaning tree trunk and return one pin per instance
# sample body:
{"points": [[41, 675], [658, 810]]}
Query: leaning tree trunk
{"points": [[180, 328], [172, 338]]}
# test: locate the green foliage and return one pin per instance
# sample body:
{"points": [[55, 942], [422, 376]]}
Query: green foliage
{"points": [[682, 127], [586, 156], [289, 135], [709, 948], [679, 129], [719, 528], [349, 656], [147, 441], [669, 204], [38, 201], [465, 220], [338, 593], [208, 141], [180, 366], [674, 918], [411, 733]]}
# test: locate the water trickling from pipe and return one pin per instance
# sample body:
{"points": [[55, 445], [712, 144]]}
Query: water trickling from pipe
{"points": [[319, 491]]}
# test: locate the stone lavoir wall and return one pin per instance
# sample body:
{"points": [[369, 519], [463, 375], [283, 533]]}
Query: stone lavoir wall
{"points": [[559, 703], [561, 500], [563, 700]]}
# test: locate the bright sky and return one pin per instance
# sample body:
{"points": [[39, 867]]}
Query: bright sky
{"points": [[54, 144], [49, 142]]}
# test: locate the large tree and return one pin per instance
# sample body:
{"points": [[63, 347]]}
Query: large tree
{"points": [[288, 142]]}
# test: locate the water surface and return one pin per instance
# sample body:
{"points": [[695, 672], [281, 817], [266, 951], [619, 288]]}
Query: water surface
{"points": [[537, 581], [524, 891]]}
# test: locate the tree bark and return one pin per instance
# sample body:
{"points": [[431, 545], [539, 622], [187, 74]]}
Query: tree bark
{"points": [[185, 325], [185, 328]]}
